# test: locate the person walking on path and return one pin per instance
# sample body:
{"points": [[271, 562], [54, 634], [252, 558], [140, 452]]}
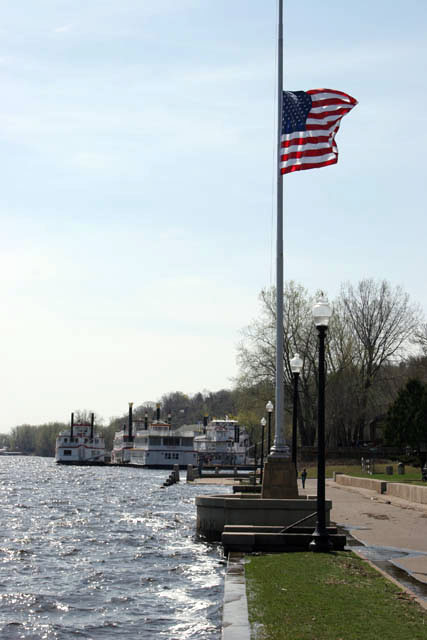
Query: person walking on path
{"points": [[303, 477]]}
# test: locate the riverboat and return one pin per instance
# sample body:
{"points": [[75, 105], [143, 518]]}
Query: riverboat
{"points": [[155, 444], [161, 447], [80, 444], [223, 442], [122, 444]]}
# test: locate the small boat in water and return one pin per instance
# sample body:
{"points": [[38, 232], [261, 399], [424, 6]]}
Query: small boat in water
{"points": [[80, 444]]}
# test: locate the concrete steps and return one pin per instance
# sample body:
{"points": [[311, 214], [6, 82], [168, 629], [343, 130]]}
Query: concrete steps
{"points": [[249, 539]]}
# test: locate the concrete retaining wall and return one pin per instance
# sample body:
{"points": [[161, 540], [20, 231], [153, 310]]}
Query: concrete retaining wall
{"points": [[214, 512], [364, 483], [411, 492]]}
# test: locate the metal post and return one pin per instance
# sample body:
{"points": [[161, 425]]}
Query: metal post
{"points": [[269, 432], [321, 540], [295, 420], [280, 448], [262, 450], [130, 423]]}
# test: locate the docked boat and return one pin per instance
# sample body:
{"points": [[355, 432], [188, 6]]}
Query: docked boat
{"points": [[224, 442], [80, 444], [124, 440], [154, 444]]}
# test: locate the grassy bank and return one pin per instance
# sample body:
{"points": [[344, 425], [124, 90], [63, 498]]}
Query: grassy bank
{"points": [[307, 596]]}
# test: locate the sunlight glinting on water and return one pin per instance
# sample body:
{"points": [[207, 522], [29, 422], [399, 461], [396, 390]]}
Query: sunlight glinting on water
{"points": [[103, 552]]}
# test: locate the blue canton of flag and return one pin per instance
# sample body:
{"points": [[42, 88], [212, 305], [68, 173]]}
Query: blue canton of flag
{"points": [[295, 109]]}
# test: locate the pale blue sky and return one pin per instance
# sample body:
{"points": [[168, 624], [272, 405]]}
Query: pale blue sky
{"points": [[136, 203]]}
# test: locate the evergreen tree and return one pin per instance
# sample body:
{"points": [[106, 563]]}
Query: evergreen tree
{"points": [[406, 423]]}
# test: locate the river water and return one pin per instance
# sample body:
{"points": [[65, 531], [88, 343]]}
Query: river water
{"points": [[103, 552]]}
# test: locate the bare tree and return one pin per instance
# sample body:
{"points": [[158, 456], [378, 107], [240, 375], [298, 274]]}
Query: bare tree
{"points": [[371, 327], [256, 352], [381, 321], [420, 338]]}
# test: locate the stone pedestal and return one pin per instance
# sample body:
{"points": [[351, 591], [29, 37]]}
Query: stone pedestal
{"points": [[214, 512], [279, 479]]}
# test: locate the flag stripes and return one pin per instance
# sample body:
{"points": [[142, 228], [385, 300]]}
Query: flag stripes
{"points": [[308, 132]]}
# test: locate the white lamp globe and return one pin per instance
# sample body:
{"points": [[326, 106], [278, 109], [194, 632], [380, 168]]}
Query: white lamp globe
{"points": [[269, 406], [296, 364], [322, 311]]}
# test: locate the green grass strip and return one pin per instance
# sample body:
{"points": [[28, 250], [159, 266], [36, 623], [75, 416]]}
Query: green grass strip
{"points": [[337, 596]]}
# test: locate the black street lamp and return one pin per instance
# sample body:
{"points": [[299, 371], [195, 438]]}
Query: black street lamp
{"points": [[322, 311], [296, 367], [269, 407], [263, 423]]}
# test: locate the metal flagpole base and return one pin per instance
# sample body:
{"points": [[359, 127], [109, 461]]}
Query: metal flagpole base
{"points": [[280, 451]]}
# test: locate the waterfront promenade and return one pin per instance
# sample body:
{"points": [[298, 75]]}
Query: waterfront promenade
{"points": [[383, 522], [370, 517]]}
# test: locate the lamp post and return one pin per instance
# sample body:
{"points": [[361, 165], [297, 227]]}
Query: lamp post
{"points": [[263, 423], [296, 367], [269, 407], [322, 311]]}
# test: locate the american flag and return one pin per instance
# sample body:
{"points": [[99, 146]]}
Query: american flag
{"points": [[310, 121]]}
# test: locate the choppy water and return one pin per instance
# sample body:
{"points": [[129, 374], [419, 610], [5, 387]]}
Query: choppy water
{"points": [[103, 552]]}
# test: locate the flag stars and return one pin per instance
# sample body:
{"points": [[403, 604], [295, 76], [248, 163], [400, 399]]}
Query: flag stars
{"points": [[296, 106]]}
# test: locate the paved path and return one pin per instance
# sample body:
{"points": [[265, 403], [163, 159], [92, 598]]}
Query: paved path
{"points": [[382, 521]]}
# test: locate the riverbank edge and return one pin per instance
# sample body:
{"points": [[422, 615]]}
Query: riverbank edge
{"points": [[235, 618], [235, 613]]}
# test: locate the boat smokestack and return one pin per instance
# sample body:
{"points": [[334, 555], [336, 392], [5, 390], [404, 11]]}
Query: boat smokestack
{"points": [[158, 412], [92, 420], [169, 417], [130, 422], [205, 422], [72, 426], [146, 421]]}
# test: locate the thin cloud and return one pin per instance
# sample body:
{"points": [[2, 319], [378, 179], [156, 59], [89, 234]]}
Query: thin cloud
{"points": [[64, 28]]}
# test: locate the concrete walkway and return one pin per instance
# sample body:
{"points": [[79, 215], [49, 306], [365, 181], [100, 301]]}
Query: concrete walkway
{"points": [[382, 521]]}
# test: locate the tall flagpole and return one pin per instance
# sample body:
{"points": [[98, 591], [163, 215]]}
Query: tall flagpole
{"points": [[279, 447]]}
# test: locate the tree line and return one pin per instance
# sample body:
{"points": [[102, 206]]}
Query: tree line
{"points": [[376, 343]]}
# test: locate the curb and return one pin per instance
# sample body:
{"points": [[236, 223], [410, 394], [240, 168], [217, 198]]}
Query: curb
{"points": [[235, 621], [390, 578]]}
